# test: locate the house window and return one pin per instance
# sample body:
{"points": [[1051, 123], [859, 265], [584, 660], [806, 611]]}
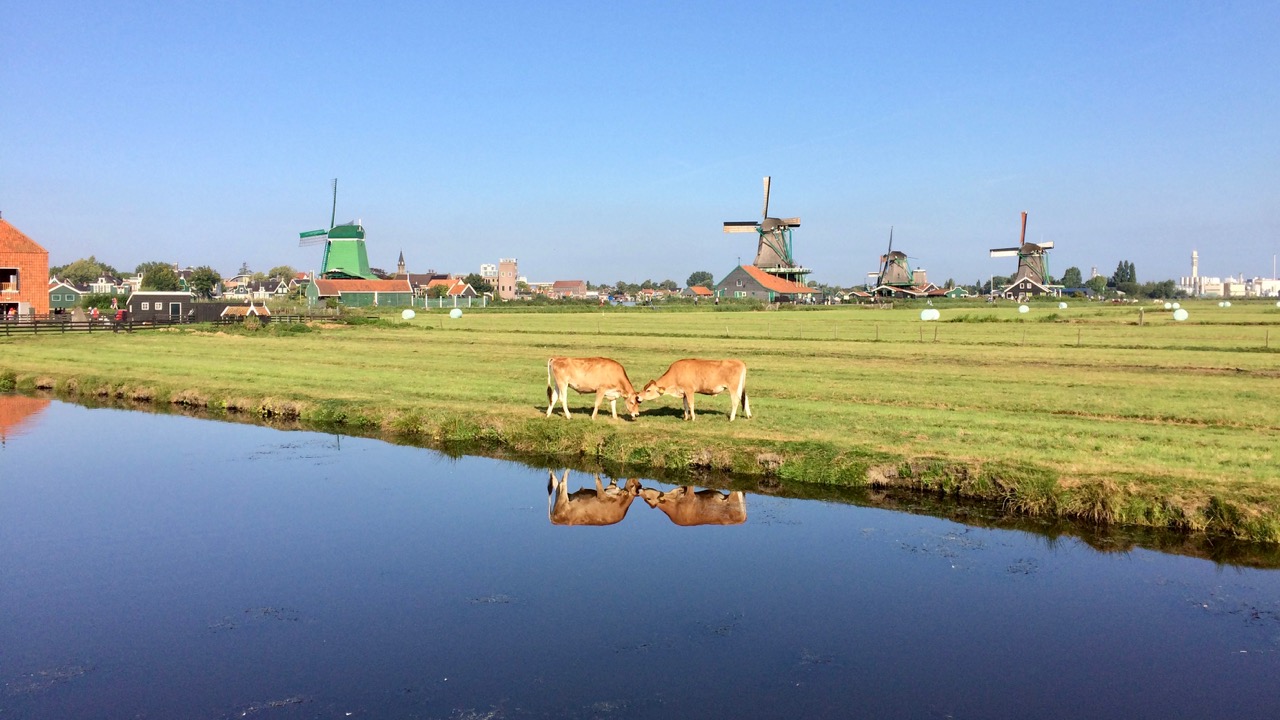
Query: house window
{"points": [[8, 279], [146, 306], [55, 298], [739, 283]]}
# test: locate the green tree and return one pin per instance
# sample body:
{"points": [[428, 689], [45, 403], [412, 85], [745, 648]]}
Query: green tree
{"points": [[1097, 284], [1125, 273], [203, 280], [440, 291], [82, 271], [159, 276], [1072, 278], [701, 277], [284, 272], [669, 285], [477, 281]]}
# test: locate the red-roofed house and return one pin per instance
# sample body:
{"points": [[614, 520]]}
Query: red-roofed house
{"points": [[749, 281], [361, 293], [24, 274], [453, 287], [697, 291]]}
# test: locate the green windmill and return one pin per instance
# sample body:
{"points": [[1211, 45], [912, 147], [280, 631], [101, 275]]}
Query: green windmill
{"points": [[345, 256]]}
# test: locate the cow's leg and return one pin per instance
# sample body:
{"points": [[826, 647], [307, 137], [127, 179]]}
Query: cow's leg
{"points": [[746, 403], [613, 407], [564, 397], [596, 408], [688, 407], [733, 404], [551, 399]]}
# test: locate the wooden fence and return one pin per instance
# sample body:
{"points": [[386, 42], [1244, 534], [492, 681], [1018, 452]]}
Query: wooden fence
{"points": [[58, 324]]}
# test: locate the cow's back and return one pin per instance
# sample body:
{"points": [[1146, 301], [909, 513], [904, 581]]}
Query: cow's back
{"points": [[698, 375], [589, 374]]}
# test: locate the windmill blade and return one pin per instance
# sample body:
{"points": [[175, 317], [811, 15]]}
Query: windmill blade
{"points": [[739, 227], [1004, 252], [1023, 240], [1046, 245], [790, 222], [312, 237], [765, 213]]}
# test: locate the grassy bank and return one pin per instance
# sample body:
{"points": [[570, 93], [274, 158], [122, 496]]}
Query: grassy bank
{"points": [[1080, 413]]}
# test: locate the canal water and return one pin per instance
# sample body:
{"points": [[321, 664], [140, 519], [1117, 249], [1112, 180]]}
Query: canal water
{"points": [[157, 566]]}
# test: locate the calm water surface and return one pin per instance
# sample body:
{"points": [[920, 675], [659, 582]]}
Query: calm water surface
{"points": [[165, 567]]}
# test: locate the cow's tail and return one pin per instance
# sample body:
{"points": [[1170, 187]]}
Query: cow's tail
{"points": [[549, 395], [746, 404]]}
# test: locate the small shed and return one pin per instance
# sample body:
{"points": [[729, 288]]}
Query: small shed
{"points": [[159, 305]]}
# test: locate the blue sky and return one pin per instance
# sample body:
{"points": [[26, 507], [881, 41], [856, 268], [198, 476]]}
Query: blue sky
{"points": [[609, 141]]}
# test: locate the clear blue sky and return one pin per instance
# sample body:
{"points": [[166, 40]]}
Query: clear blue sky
{"points": [[608, 141]]}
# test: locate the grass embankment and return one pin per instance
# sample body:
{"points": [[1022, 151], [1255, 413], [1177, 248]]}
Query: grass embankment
{"points": [[1077, 413]]}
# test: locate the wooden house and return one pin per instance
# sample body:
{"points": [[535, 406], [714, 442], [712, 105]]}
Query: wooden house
{"points": [[159, 306], [361, 293], [63, 296], [749, 281]]}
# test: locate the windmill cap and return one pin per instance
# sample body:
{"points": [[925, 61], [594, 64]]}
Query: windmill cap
{"points": [[347, 232]]}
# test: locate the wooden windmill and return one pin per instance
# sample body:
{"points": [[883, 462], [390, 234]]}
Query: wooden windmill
{"points": [[1032, 262], [773, 251], [895, 268], [345, 255]]}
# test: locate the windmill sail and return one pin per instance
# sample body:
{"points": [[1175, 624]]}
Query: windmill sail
{"points": [[773, 248]]}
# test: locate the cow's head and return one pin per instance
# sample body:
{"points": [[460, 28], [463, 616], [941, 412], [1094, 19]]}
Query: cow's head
{"points": [[651, 391], [633, 405]]}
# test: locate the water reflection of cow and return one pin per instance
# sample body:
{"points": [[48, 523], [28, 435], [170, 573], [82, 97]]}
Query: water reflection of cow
{"points": [[606, 505], [600, 505], [688, 507]]}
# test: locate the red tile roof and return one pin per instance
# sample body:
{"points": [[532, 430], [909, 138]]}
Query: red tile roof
{"points": [[775, 283], [700, 290], [13, 241]]}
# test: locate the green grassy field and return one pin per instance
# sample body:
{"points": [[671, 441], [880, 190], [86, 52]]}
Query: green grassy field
{"points": [[1079, 413]]}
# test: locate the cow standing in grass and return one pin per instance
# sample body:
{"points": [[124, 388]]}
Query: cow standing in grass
{"points": [[685, 378], [602, 376]]}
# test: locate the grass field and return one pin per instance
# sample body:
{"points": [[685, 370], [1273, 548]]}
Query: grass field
{"points": [[1094, 412]]}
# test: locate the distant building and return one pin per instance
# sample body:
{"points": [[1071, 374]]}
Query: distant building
{"points": [[24, 274], [508, 277], [246, 311], [569, 289], [63, 296], [749, 281]]}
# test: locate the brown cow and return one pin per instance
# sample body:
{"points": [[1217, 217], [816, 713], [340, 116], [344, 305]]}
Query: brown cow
{"points": [[601, 506], [602, 376], [704, 377], [686, 507]]}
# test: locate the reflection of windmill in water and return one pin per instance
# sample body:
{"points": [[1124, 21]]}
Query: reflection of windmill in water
{"points": [[773, 251], [1032, 276], [345, 255]]}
